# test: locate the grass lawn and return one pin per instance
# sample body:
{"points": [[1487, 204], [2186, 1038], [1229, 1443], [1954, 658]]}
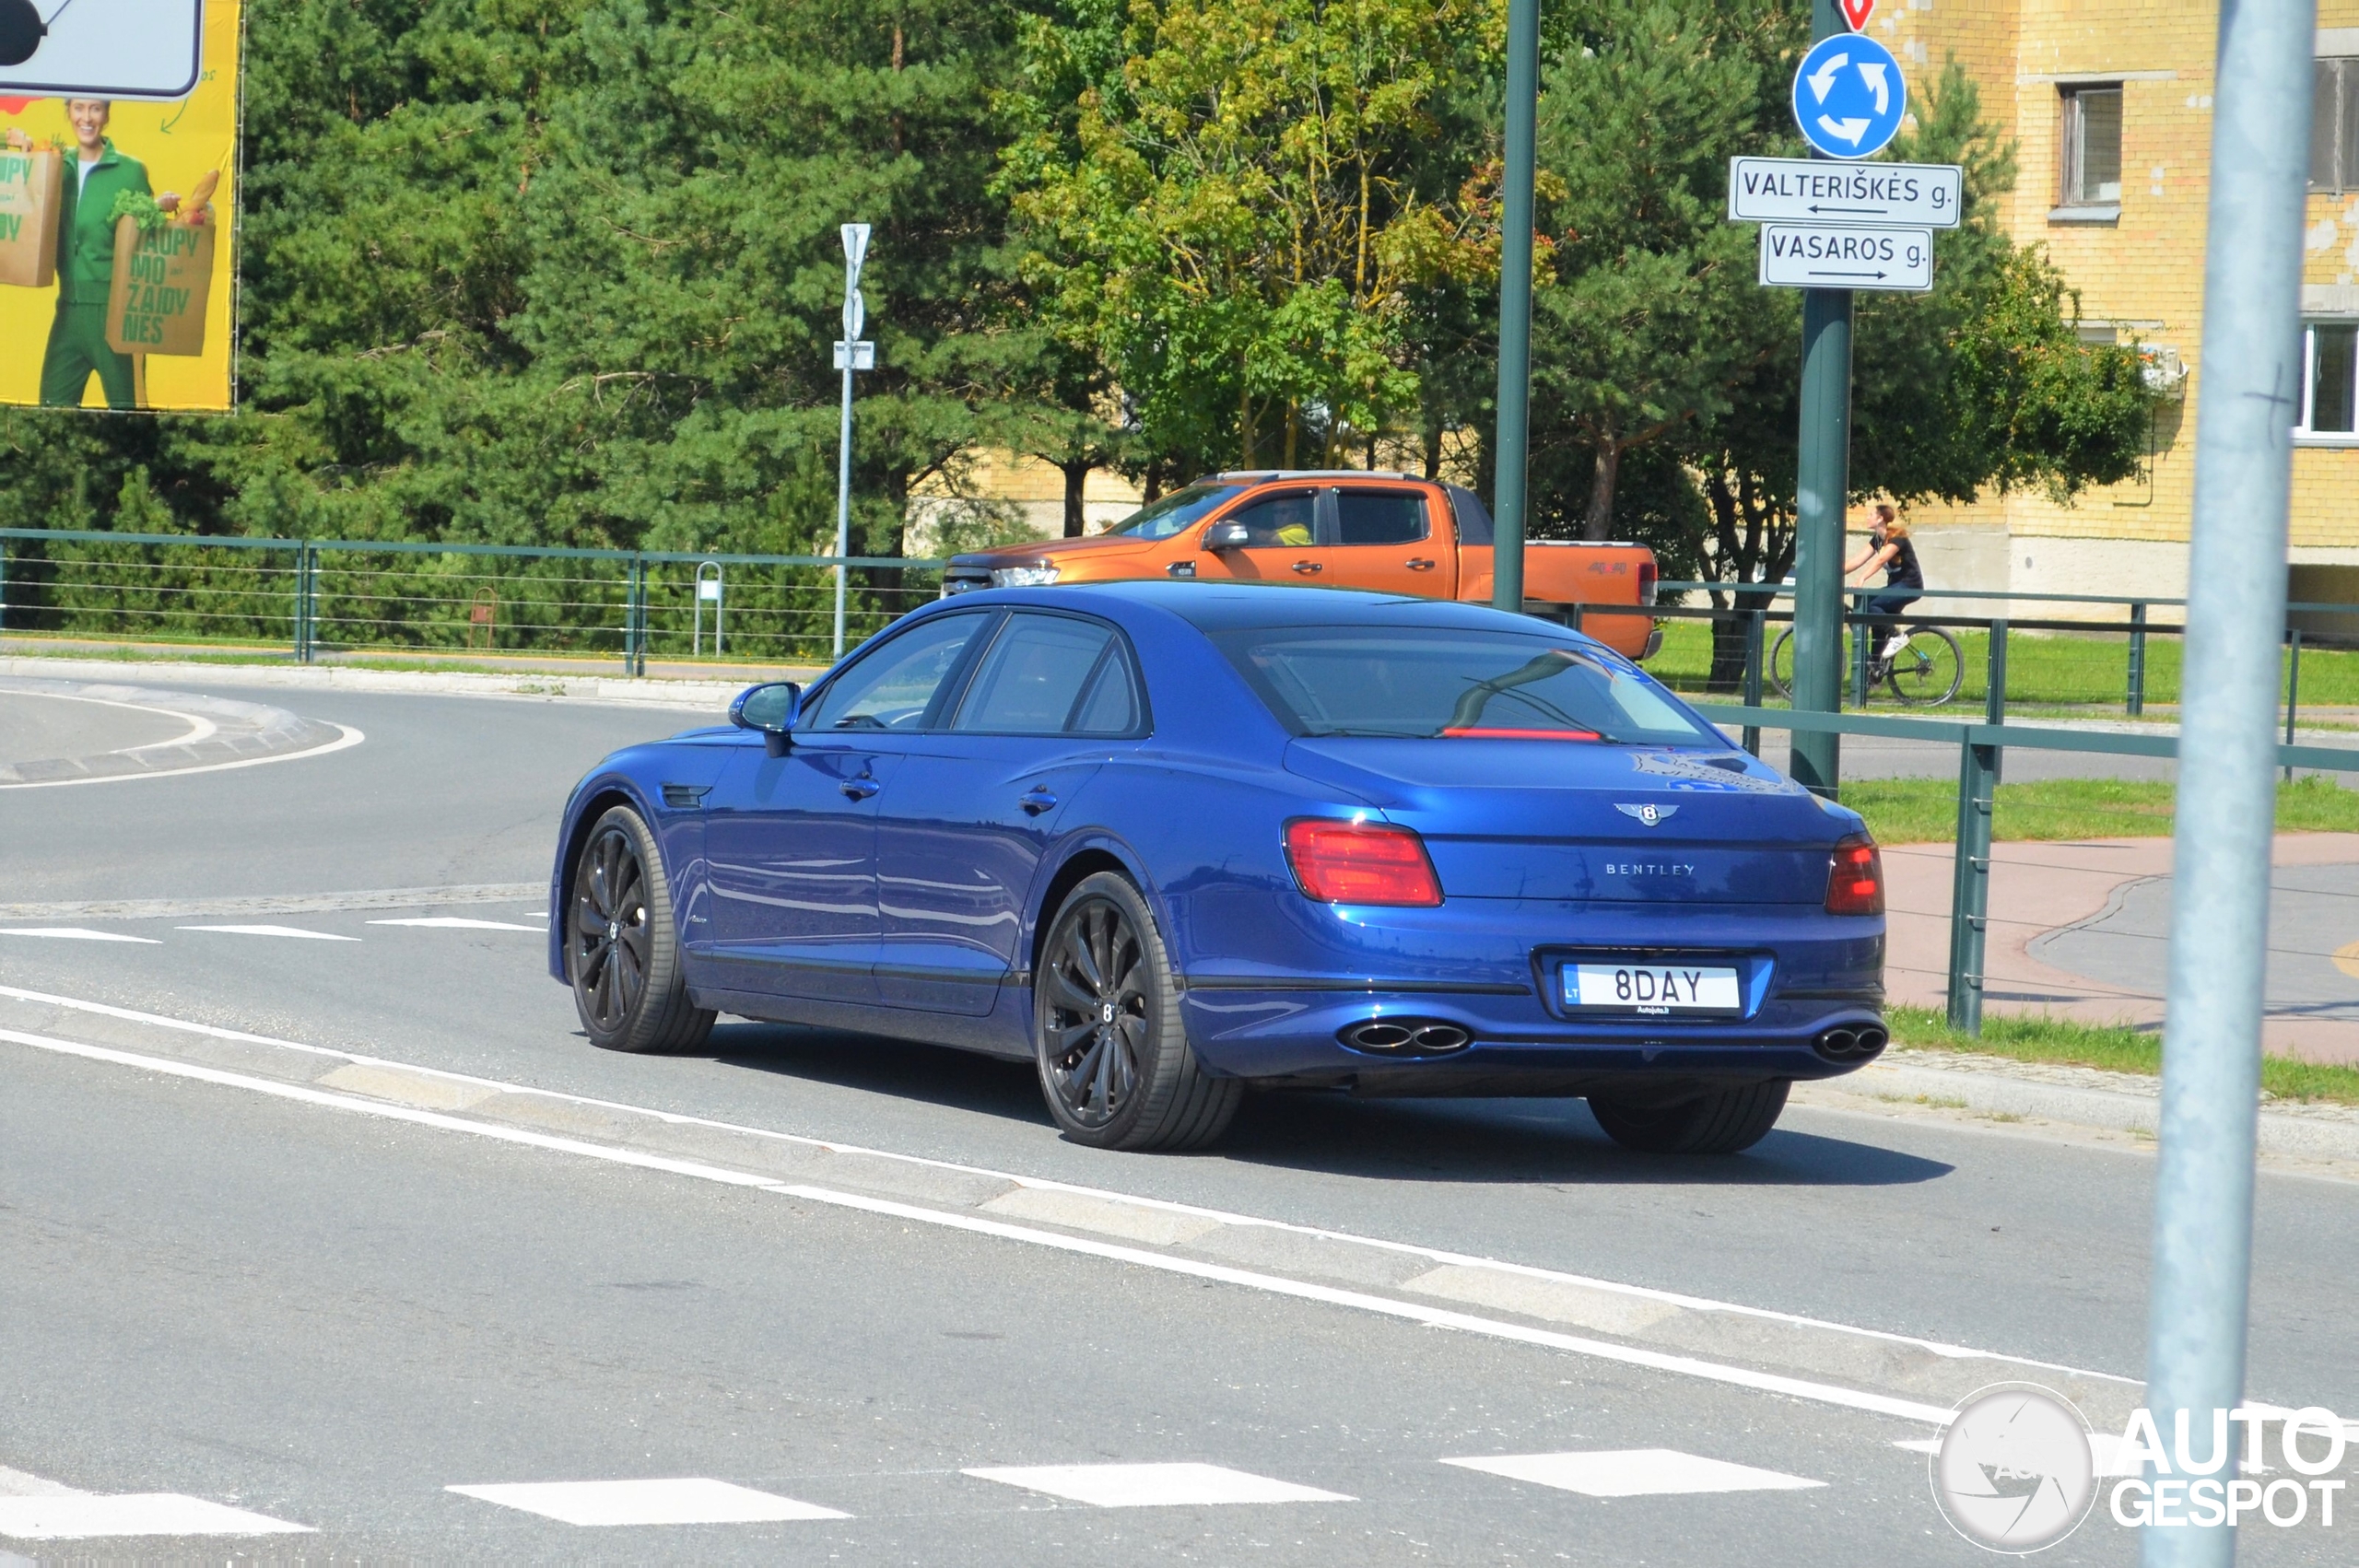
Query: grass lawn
{"points": [[2049, 669], [2112, 1047], [1924, 811]]}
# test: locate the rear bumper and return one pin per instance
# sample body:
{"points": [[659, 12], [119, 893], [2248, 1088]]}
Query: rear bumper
{"points": [[1813, 987]]}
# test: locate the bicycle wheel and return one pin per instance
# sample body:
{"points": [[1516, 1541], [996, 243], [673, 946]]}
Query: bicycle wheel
{"points": [[1781, 664], [1928, 669]]}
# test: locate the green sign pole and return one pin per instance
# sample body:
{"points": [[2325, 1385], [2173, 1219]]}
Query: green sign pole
{"points": [[1821, 484], [1514, 304]]}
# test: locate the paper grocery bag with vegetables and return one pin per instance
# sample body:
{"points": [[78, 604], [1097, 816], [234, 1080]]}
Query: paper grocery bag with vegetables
{"points": [[163, 273], [29, 208]]}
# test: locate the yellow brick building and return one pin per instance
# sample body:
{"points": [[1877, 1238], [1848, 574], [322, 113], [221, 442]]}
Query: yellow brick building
{"points": [[2110, 105]]}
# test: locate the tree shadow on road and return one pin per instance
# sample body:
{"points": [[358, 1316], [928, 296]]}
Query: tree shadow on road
{"points": [[1512, 1140]]}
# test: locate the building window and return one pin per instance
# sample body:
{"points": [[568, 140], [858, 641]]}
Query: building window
{"points": [[2092, 146], [2331, 383], [2334, 126]]}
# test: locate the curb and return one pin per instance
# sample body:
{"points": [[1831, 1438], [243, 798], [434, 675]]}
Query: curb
{"points": [[648, 692], [2134, 1106]]}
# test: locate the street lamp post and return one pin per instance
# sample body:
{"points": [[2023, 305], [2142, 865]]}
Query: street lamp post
{"points": [[851, 356], [1509, 448]]}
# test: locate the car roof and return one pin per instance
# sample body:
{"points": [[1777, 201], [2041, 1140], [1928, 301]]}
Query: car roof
{"points": [[1220, 606]]}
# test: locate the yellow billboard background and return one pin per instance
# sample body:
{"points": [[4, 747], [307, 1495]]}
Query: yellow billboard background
{"points": [[178, 141]]}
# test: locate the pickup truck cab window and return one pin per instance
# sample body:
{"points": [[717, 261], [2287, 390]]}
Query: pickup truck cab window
{"points": [[1379, 517]]}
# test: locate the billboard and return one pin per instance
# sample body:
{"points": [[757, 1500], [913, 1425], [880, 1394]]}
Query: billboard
{"points": [[118, 193]]}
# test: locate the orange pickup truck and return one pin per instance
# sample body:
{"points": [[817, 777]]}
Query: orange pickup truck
{"points": [[1346, 529]]}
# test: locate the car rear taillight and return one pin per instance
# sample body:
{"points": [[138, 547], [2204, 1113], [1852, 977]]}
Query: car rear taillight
{"points": [[1647, 573], [1855, 879], [1361, 863]]}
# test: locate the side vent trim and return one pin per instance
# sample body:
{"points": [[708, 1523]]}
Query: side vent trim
{"points": [[686, 797]]}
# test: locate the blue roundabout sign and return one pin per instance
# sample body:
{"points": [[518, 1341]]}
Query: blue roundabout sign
{"points": [[1848, 96]]}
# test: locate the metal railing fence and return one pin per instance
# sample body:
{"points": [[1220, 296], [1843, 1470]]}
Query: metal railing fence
{"points": [[1980, 747], [316, 596]]}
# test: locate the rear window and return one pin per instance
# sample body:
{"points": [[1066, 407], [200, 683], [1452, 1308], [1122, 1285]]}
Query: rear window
{"points": [[1401, 680]]}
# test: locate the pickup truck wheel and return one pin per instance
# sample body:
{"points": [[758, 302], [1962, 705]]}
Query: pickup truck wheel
{"points": [[1115, 1064], [1719, 1123]]}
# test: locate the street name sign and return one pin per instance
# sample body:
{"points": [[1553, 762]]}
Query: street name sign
{"points": [[1848, 96], [1804, 190], [1826, 256]]}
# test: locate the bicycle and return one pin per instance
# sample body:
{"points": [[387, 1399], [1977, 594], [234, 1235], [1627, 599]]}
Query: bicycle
{"points": [[1924, 672]]}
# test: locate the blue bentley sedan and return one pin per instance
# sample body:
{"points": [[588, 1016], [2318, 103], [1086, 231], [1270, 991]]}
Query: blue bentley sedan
{"points": [[1170, 841]]}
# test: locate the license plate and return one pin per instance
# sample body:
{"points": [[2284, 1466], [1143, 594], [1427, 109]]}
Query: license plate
{"points": [[1653, 988]]}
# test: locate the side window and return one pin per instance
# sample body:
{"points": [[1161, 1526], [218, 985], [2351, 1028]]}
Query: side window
{"points": [[892, 687], [1111, 704], [1379, 517], [1276, 522], [1032, 679]]}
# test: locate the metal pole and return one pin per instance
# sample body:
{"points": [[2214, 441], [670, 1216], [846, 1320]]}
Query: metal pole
{"points": [[843, 507], [1821, 484], [1994, 675], [2293, 689], [1515, 307], [2236, 615], [1978, 788], [1861, 636], [2137, 660], [1755, 629]]}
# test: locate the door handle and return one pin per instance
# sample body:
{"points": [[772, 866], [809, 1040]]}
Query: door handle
{"points": [[1307, 568], [860, 788], [1419, 563], [1036, 800]]}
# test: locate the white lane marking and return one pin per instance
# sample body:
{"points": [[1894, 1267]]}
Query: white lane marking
{"points": [[16, 1483], [1634, 1472], [690, 1499], [84, 1518], [461, 923], [1154, 1486], [1919, 1445], [2104, 1452], [1629, 1355], [1647, 1293], [76, 933], [347, 737], [271, 931]]}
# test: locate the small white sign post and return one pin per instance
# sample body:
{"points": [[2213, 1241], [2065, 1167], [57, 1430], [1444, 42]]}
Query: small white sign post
{"points": [[1810, 190], [1807, 255], [851, 356]]}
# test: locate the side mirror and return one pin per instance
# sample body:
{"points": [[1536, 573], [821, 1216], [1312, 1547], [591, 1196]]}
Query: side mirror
{"points": [[1227, 536], [770, 708]]}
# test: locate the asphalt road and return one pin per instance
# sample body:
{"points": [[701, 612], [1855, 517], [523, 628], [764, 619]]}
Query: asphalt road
{"points": [[331, 1320]]}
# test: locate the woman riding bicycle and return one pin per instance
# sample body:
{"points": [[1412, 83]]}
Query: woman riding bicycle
{"points": [[1904, 581]]}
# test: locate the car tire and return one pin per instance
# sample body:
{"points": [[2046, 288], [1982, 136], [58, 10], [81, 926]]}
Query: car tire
{"points": [[1718, 1123], [1116, 1067], [622, 948]]}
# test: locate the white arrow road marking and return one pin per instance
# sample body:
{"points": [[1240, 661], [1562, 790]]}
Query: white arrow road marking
{"points": [[1822, 81], [691, 1500], [1872, 73], [271, 931], [78, 933], [461, 923], [1850, 130]]}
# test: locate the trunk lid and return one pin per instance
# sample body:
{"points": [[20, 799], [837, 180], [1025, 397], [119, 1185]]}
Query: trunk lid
{"points": [[1592, 821]]}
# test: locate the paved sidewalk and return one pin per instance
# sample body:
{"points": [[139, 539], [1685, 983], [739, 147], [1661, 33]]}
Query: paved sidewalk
{"points": [[2081, 930]]}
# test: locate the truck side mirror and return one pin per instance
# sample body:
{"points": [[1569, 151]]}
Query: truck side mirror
{"points": [[1227, 536], [770, 708]]}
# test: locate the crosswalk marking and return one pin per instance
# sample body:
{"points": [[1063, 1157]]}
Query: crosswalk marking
{"points": [[83, 1516], [687, 1500], [461, 923], [1154, 1486], [1633, 1472], [271, 931], [78, 933]]}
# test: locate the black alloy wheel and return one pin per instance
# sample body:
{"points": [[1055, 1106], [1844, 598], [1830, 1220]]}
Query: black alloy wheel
{"points": [[622, 951], [1721, 1123], [1116, 1068]]}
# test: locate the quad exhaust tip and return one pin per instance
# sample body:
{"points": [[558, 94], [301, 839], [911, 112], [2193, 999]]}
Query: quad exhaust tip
{"points": [[1852, 1043], [1406, 1037]]}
